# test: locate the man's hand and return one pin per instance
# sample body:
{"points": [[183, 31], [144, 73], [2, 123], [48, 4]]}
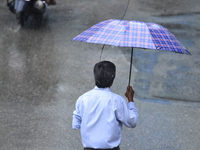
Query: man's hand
{"points": [[129, 93]]}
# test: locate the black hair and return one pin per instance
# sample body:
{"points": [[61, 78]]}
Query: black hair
{"points": [[104, 74]]}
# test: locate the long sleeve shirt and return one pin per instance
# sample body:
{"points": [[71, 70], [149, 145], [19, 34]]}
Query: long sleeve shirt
{"points": [[100, 114]]}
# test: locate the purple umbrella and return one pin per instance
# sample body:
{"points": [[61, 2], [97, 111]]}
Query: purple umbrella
{"points": [[132, 34]]}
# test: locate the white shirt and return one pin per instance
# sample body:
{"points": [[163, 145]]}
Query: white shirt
{"points": [[100, 114]]}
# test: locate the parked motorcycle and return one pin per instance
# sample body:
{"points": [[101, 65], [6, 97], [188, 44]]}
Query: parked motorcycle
{"points": [[34, 10]]}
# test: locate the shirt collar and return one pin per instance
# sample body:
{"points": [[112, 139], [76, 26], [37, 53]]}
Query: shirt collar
{"points": [[103, 89]]}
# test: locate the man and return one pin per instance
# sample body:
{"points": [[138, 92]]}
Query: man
{"points": [[16, 6], [100, 113]]}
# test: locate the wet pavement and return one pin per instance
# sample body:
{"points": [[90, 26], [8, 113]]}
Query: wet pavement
{"points": [[43, 72]]}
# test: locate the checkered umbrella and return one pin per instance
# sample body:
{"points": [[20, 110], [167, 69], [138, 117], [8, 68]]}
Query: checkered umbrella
{"points": [[132, 34]]}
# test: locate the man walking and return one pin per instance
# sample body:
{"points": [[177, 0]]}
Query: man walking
{"points": [[101, 113]]}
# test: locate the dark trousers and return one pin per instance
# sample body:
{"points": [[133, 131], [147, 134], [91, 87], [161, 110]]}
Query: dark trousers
{"points": [[115, 148]]}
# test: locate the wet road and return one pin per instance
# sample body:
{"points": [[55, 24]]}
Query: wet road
{"points": [[43, 72]]}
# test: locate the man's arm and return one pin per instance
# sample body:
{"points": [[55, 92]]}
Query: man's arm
{"points": [[76, 122], [127, 114]]}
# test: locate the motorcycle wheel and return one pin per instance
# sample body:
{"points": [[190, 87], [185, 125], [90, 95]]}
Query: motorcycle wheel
{"points": [[40, 16], [39, 20]]}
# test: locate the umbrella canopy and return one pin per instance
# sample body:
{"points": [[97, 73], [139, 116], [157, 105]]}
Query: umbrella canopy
{"points": [[132, 34], [125, 33]]}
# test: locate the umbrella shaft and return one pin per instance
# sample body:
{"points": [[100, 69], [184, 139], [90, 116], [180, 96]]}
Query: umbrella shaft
{"points": [[130, 67]]}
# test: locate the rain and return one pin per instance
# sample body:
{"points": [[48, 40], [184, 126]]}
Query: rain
{"points": [[43, 72]]}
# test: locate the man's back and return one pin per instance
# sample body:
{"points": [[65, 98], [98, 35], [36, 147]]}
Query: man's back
{"points": [[101, 112]]}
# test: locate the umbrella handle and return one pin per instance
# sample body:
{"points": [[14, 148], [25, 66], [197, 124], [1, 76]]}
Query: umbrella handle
{"points": [[130, 67]]}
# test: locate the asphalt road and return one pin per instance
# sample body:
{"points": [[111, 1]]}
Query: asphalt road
{"points": [[43, 72]]}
